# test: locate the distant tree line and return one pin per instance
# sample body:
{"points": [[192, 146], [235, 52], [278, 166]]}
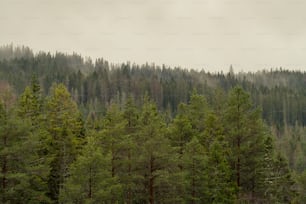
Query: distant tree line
{"points": [[280, 93]]}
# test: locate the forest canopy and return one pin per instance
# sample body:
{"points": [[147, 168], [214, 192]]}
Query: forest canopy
{"points": [[77, 131]]}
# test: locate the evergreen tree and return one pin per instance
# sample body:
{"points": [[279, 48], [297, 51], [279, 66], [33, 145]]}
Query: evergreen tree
{"points": [[156, 161], [195, 167], [30, 109], [246, 138], [221, 189], [113, 141], [31, 102], [128, 176], [90, 179], [302, 187], [65, 127], [197, 111], [214, 131], [22, 171], [266, 183], [283, 182], [181, 131]]}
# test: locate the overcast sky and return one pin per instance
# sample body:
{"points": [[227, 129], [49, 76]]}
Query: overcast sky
{"points": [[209, 34]]}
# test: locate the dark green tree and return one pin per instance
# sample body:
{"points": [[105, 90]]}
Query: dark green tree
{"points": [[195, 167], [221, 188], [65, 127], [23, 172], [90, 179], [283, 183], [112, 139], [245, 135], [156, 162], [128, 175]]}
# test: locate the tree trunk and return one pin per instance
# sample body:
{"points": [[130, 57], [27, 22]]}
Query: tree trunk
{"points": [[90, 184], [193, 193], [151, 182], [4, 170], [129, 193], [113, 161], [238, 148], [238, 164]]}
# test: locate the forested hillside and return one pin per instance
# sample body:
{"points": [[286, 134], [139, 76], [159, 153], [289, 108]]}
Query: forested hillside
{"points": [[77, 131]]}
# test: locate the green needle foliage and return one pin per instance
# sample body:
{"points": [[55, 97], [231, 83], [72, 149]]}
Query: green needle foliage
{"points": [[208, 152]]}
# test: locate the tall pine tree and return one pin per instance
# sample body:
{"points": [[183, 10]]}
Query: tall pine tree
{"points": [[64, 124]]}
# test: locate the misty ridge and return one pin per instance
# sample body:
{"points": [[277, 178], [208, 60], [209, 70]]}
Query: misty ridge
{"points": [[77, 130]]}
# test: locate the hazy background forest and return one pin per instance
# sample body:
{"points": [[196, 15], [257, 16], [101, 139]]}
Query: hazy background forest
{"points": [[78, 113]]}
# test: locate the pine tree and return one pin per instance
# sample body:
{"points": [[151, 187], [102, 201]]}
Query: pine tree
{"points": [[244, 133], [31, 102], [221, 189], [90, 179], [214, 131], [195, 168], [113, 141], [197, 111], [156, 161], [283, 182], [302, 187], [266, 182], [181, 131], [65, 127], [127, 175], [29, 108], [22, 170]]}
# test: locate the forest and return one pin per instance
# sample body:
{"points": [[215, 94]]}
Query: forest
{"points": [[77, 131]]}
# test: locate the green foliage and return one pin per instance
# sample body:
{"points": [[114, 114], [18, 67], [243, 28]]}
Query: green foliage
{"points": [[23, 172], [245, 136], [156, 159], [196, 168], [181, 131], [113, 143], [302, 187], [197, 110], [90, 179], [221, 189], [128, 175], [65, 127], [282, 181], [216, 149]]}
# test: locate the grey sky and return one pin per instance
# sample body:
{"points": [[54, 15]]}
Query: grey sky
{"points": [[209, 34]]}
